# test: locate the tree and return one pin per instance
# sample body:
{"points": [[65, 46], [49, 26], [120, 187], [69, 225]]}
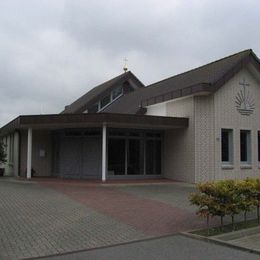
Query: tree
{"points": [[229, 198], [204, 198], [255, 191], [246, 192], [205, 204], [221, 199], [2, 153], [218, 198]]}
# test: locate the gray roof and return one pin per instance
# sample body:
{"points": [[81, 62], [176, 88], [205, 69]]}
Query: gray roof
{"points": [[83, 120], [78, 105], [205, 78]]}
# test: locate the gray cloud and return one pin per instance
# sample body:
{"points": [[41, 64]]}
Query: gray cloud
{"points": [[51, 52]]}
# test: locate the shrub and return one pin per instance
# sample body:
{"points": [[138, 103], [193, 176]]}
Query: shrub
{"points": [[255, 192], [227, 198], [205, 203], [245, 190], [206, 198], [2, 153]]}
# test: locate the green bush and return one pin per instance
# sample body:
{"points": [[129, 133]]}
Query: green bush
{"points": [[2, 153], [255, 193], [227, 198], [246, 195], [204, 201]]}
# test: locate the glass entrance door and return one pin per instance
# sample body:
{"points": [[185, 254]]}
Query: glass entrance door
{"points": [[116, 156], [135, 157], [134, 153], [153, 157]]}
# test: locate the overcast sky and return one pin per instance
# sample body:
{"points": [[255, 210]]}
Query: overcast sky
{"points": [[51, 52]]}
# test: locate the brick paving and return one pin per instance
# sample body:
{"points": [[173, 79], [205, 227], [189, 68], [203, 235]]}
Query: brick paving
{"points": [[53, 217], [250, 242], [175, 194], [151, 217], [38, 221]]}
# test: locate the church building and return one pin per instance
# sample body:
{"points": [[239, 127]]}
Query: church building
{"points": [[197, 126]]}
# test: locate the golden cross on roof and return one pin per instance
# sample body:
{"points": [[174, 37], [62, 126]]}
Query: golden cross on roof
{"points": [[125, 68]]}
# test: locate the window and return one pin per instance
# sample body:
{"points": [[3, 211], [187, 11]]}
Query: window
{"points": [[117, 92], [227, 146], [94, 108], [245, 146], [153, 157], [104, 101], [153, 135], [73, 133], [116, 133], [116, 156], [135, 157], [114, 94], [132, 153], [92, 133]]}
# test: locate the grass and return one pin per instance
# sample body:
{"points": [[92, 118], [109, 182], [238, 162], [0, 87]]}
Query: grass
{"points": [[226, 228]]}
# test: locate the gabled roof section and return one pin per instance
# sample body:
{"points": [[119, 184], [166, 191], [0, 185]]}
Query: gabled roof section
{"points": [[78, 105], [204, 79]]}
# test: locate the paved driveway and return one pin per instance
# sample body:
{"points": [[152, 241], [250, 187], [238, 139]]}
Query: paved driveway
{"points": [[45, 218]]}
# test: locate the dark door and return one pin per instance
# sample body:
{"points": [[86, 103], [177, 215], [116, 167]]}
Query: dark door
{"points": [[80, 157]]}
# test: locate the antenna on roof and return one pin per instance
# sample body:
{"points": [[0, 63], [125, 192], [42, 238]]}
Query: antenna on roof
{"points": [[125, 68], [42, 112]]}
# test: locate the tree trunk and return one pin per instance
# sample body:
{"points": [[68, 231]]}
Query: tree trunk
{"points": [[233, 224], [221, 221], [245, 216], [208, 224], [258, 217]]}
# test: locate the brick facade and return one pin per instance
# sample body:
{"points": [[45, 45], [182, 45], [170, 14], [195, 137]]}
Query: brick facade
{"points": [[194, 154]]}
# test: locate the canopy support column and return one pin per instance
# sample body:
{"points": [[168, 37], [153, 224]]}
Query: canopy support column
{"points": [[104, 152], [29, 154]]}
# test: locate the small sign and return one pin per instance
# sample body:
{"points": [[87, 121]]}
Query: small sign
{"points": [[42, 153]]}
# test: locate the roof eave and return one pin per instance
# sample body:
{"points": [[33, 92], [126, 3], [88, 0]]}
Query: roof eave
{"points": [[11, 126], [61, 121], [179, 93], [235, 69]]}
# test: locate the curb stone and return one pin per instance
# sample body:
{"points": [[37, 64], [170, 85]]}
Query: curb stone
{"points": [[219, 242]]}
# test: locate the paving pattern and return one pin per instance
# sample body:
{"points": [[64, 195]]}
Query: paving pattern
{"points": [[127, 205], [53, 217], [38, 221], [175, 194], [248, 241]]}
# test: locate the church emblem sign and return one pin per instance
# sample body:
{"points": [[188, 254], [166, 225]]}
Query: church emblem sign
{"points": [[244, 100]]}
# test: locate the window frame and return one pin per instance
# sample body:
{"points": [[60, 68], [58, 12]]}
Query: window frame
{"points": [[98, 105], [248, 147], [109, 102], [119, 93], [230, 132]]}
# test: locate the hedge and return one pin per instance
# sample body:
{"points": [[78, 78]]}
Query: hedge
{"points": [[227, 198], [2, 153]]}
